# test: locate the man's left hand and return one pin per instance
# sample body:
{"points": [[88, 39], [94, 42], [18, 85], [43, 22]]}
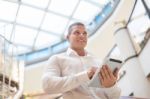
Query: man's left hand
{"points": [[107, 77]]}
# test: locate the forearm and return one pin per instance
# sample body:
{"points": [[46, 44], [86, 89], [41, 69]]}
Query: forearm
{"points": [[55, 84]]}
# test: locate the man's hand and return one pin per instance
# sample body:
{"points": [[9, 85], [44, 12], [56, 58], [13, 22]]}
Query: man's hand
{"points": [[91, 71], [107, 77]]}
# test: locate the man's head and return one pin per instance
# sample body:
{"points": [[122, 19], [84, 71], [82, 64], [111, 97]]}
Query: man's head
{"points": [[77, 36]]}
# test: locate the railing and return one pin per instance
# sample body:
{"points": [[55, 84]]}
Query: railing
{"points": [[8, 87], [11, 71]]}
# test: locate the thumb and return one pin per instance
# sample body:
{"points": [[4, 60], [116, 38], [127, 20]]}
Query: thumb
{"points": [[116, 72]]}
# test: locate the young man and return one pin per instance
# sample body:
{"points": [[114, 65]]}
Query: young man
{"points": [[69, 73]]}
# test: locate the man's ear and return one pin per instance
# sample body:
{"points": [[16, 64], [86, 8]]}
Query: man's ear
{"points": [[67, 37]]}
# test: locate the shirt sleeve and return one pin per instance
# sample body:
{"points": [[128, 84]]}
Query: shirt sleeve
{"points": [[113, 92], [52, 82]]}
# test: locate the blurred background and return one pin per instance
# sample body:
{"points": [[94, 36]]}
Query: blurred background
{"points": [[33, 30]]}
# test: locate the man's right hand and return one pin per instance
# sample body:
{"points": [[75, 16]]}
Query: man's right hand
{"points": [[91, 71]]}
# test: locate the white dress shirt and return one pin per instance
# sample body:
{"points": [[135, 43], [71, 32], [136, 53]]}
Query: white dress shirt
{"points": [[66, 73]]}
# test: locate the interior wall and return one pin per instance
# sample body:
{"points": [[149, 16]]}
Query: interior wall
{"points": [[33, 76], [134, 81], [144, 59]]}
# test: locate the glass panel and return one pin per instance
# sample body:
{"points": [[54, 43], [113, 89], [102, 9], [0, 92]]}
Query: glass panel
{"points": [[38, 55], [46, 39], [11, 49], [102, 2], [115, 53], [38, 3], [21, 50], [54, 23], [8, 10], [86, 11], [30, 16], [148, 3], [24, 36], [139, 9], [2, 24], [65, 7], [5, 30], [66, 29], [138, 27]]}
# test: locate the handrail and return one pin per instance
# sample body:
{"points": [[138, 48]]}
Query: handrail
{"points": [[6, 79]]}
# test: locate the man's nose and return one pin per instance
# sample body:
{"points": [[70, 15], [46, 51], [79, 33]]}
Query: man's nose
{"points": [[82, 34]]}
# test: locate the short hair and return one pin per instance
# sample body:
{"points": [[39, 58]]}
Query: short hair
{"points": [[74, 24]]}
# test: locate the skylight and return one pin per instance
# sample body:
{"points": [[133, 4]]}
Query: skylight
{"points": [[36, 24]]}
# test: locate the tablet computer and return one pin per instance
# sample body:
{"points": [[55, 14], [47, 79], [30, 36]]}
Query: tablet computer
{"points": [[113, 65]]}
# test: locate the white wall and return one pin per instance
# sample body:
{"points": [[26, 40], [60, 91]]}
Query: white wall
{"points": [[145, 59], [134, 80], [33, 76]]}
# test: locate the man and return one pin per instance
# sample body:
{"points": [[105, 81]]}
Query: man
{"points": [[69, 73]]}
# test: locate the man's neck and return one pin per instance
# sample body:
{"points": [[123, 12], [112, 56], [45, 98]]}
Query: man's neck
{"points": [[80, 52]]}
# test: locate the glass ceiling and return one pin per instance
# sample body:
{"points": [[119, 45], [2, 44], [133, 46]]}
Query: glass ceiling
{"points": [[37, 24], [140, 22], [37, 27]]}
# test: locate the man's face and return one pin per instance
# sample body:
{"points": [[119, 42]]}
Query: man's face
{"points": [[78, 37]]}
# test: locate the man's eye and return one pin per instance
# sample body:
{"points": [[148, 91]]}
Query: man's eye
{"points": [[84, 33], [77, 33]]}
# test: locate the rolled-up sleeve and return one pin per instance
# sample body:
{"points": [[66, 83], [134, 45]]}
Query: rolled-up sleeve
{"points": [[52, 82], [113, 92]]}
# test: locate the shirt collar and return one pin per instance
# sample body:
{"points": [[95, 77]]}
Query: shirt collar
{"points": [[71, 52]]}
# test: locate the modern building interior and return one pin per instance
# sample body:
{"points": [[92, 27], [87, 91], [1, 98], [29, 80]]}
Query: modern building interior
{"points": [[31, 31]]}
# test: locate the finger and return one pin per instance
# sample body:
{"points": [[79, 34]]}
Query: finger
{"points": [[103, 73], [101, 68], [116, 72], [101, 78], [106, 73], [110, 74], [94, 69]]}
